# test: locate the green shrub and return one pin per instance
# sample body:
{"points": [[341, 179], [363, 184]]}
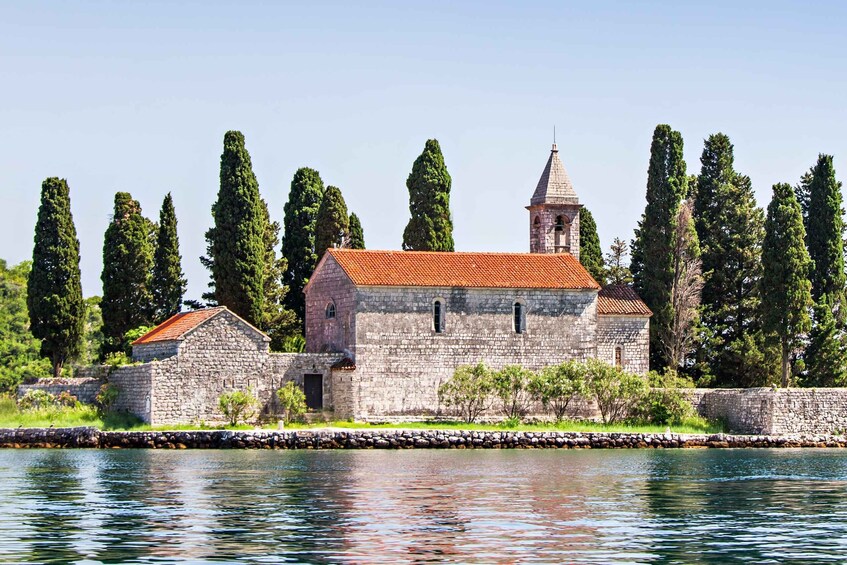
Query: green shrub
{"points": [[117, 359], [511, 385], [556, 386], [106, 397], [238, 405], [293, 401], [294, 344], [35, 398], [666, 402], [619, 394], [468, 390], [65, 398]]}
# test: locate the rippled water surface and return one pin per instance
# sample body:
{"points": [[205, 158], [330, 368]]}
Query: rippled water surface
{"points": [[634, 506]]}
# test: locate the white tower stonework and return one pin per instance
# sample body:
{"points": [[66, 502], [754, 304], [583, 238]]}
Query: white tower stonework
{"points": [[554, 211]]}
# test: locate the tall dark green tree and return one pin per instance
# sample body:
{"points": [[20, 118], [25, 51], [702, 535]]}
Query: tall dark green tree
{"points": [[653, 248], [590, 252], [430, 227], [331, 229], [236, 243], [277, 321], [357, 235], [168, 283], [298, 238], [127, 264], [824, 235], [826, 355], [786, 289], [54, 291], [730, 228]]}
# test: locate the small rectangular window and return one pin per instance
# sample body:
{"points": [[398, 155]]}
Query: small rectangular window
{"points": [[519, 319], [619, 356], [437, 319]]}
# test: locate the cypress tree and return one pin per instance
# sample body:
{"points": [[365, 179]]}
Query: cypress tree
{"points": [[590, 253], [127, 263], [54, 291], [277, 321], [236, 243], [824, 235], [357, 235], [298, 239], [430, 227], [730, 228], [653, 247], [332, 223], [168, 282], [826, 356], [786, 289]]}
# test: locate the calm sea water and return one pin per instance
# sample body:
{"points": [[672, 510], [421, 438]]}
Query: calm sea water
{"points": [[637, 506]]}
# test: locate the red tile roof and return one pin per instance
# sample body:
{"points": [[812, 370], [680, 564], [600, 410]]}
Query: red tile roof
{"points": [[178, 325], [621, 300], [468, 270]]}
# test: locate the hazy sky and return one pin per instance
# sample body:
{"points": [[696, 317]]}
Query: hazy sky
{"points": [[137, 96]]}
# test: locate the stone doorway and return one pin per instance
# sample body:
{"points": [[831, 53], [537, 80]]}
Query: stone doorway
{"points": [[313, 387]]}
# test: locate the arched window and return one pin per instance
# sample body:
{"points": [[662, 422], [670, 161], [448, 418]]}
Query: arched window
{"points": [[330, 311], [438, 316], [563, 235], [519, 312], [619, 356]]}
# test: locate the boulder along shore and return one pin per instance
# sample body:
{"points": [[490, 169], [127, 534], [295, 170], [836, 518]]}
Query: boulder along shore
{"points": [[394, 439]]}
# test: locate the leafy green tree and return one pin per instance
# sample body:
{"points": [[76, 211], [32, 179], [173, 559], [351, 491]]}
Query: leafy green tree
{"points": [[298, 239], [786, 289], [468, 390], [168, 282], [238, 405], [824, 235], [92, 339], [618, 394], [825, 356], [292, 399], [430, 227], [653, 248], [357, 235], [54, 290], [20, 357], [590, 253], [557, 386], [730, 228], [236, 243], [127, 264], [332, 226], [617, 271], [277, 321], [511, 386]]}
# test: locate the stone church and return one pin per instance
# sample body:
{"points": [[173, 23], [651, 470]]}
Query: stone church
{"points": [[385, 328]]}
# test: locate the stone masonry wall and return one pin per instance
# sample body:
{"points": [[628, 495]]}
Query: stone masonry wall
{"points": [[401, 360], [632, 334], [135, 388], [85, 389], [156, 350], [284, 367], [775, 411], [335, 334]]}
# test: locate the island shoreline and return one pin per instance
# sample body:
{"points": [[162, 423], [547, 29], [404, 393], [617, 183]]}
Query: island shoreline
{"points": [[87, 437]]}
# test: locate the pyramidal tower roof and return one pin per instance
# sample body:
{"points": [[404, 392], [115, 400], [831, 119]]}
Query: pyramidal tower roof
{"points": [[554, 186]]}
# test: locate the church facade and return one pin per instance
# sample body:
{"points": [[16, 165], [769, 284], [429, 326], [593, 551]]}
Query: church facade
{"points": [[404, 320]]}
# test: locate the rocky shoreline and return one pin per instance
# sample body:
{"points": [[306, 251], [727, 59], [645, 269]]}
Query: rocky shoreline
{"points": [[394, 439]]}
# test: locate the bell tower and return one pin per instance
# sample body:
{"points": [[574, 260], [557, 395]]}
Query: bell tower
{"points": [[554, 211]]}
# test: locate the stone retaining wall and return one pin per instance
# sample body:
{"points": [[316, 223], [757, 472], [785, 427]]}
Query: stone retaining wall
{"points": [[775, 411], [85, 389], [394, 439]]}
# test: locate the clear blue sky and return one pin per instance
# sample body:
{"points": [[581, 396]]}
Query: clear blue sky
{"points": [[137, 96]]}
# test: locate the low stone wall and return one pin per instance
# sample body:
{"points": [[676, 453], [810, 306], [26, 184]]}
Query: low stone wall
{"points": [[775, 411], [85, 389], [395, 439]]}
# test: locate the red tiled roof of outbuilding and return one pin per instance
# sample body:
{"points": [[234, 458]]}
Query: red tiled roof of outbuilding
{"points": [[178, 325], [463, 270], [621, 300]]}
